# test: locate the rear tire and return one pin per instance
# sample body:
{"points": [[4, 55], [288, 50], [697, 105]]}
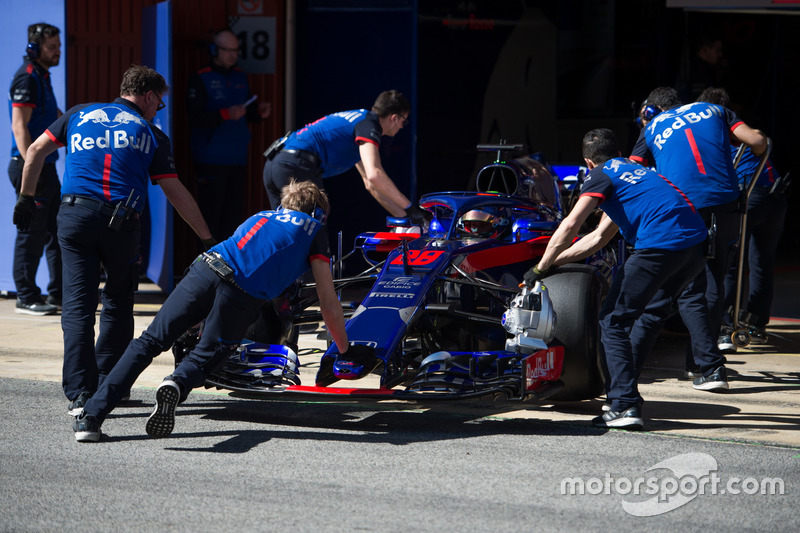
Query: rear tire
{"points": [[577, 291]]}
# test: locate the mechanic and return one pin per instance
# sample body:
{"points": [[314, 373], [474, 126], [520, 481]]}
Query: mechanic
{"points": [[668, 239], [112, 148], [705, 67], [334, 143], [227, 286], [32, 107], [220, 108], [690, 147], [765, 213]]}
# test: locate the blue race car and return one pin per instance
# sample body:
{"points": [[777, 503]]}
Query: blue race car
{"points": [[444, 315]]}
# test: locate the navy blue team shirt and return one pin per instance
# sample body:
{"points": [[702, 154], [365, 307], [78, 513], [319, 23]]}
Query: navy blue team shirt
{"points": [[271, 249], [689, 145], [31, 87], [335, 139], [650, 211], [748, 165], [111, 150], [215, 138]]}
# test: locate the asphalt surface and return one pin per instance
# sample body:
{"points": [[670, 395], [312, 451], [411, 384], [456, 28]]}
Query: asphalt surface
{"points": [[308, 465]]}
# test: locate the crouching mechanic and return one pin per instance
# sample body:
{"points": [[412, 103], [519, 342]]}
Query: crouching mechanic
{"points": [[668, 238], [226, 286]]}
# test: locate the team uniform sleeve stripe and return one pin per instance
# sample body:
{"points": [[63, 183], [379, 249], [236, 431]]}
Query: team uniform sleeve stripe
{"points": [[366, 140], [53, 138], [30, 104], [249, 235], [599, 195], [736, 125], [157, 177], [320, 257], [640, 160], [698, 159]]}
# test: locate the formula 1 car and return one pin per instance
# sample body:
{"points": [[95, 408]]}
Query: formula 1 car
{"points": [[445, 317]]}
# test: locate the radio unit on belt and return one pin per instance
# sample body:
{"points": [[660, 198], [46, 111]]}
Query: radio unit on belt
{"points": [[276, 146], [218, 265], [122, 212]]}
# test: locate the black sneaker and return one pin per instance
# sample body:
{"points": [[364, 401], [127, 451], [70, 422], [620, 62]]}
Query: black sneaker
{"points": [[716, 381], [758, 335], [75, 407], [86, 428], [162, 421], [52, 300], [725, 341], [37, 308], [630, 418]]}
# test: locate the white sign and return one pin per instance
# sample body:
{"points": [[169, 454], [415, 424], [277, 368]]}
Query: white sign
{"points": [[257, 43]]}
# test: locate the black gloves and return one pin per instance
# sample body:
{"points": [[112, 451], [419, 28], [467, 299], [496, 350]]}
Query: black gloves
{"points": [[208, 243], [415, 214], [533, 275], [24, 212], [361, 354]]}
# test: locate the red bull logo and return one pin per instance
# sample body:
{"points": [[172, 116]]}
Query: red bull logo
{"points": [[117, 139], [101, 116]]}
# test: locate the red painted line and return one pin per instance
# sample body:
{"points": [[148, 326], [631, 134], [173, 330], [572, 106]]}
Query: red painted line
{"points": [[339, 390], [795, 320]]}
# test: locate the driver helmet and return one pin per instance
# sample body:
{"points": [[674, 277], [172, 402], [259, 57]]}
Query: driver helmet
{"points": [[485, 223]]}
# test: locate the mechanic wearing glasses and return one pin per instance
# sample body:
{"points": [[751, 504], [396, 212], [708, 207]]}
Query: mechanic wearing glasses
{"points": [[690, 146], [337, 142], [220, 108], [668, 237], [32, 107], [113, 151]]}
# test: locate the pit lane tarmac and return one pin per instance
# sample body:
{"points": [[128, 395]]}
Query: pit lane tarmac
{"points": [[762, 405]]}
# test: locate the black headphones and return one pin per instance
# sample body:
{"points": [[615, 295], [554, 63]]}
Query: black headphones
{"points": [[213, 49], [648, 113], [34, 44]]}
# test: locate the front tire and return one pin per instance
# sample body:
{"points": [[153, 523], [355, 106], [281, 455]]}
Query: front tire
{"points": [[577, 292]]}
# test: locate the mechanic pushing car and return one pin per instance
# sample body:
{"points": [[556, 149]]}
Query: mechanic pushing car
{"points": [[335, 143], [668, 237], [226, 286]]}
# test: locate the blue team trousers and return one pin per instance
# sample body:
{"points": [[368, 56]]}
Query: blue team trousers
{"points": [[639, 301], [765, 216], [228, 312], [283, 167], [712, 281], [87, 244], [40, 237]]}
